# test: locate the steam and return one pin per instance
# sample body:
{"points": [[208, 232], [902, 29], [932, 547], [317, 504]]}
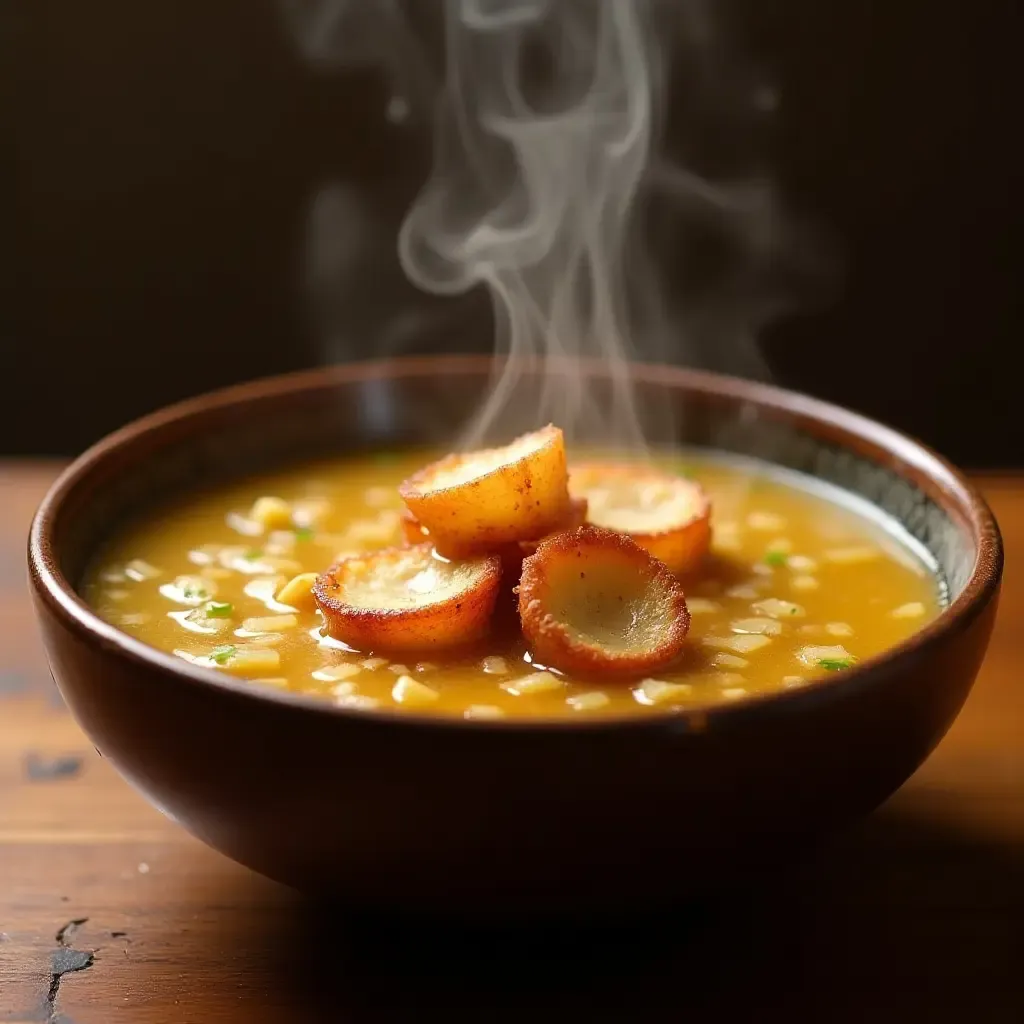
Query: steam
{"points": [[532, 191], [548, 189]]}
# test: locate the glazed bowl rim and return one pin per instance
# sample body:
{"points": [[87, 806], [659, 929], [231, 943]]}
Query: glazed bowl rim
{"points": [[53, 589]]}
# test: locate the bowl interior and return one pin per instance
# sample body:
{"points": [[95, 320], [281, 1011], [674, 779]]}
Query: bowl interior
{"points": [[377, 406]]}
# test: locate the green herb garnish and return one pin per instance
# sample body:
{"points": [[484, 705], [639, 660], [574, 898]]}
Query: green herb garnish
{"points": [[775, 558], [835, 664], [303, 533], [190, 592], [222, 655], [219, 609], [252, 554]]}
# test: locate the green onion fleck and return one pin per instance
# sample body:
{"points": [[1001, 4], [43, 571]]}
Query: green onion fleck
{"points": [[775, 558], [222, 655], [219, 609], [252, 554], [835, 664], [303, 533]]}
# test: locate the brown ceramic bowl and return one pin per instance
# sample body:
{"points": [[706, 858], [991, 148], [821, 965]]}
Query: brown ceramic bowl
{"points": [[392, 810]]}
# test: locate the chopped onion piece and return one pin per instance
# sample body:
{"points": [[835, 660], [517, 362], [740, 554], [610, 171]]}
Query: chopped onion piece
{"points": [[536, 682], [778, 609], [483, 712], [801, 563], [766, 521], [913, 610], [832, 657], [336, 673], [357, 702], [659, 691], [855, 555], [588, 701], [767, 627], [742, 644], [190, 590], [413, 693], [269, 623], [805, 583], [723, 660], [139, 570]]}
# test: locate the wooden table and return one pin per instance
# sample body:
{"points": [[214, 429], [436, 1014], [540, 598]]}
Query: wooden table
{"points": [[109, 913]]}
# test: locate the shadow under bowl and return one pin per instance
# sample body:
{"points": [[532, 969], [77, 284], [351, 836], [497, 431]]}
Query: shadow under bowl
{"points": [[387, 810]]}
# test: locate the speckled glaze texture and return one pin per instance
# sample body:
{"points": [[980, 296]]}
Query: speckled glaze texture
{"points": [[923, 517], [505, 818]]}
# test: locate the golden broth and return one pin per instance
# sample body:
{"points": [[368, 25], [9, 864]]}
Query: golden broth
{"points": [[797, 587]]}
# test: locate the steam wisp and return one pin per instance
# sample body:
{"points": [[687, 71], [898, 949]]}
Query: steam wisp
{"points": [[547, 188], [531, 195]]}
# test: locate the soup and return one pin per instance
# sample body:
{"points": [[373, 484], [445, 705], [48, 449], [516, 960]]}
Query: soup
{"points": [[797, 585]]}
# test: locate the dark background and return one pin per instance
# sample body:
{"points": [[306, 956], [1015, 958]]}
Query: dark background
{"points": [[165, 155]]}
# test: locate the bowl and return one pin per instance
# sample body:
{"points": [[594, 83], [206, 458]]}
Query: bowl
{"points": [[391, 811]]}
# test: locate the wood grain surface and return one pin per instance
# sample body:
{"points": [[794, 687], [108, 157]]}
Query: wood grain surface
{"points": [[110, 913]]}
